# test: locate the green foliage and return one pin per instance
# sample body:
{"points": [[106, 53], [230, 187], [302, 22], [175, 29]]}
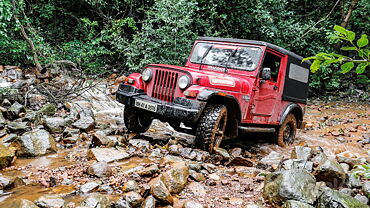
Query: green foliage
{"points": [[363, 171]]}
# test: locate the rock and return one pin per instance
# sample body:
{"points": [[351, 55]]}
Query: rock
{"points": [[347, 191], [296, 204], [85, 124], [2, 120], [107, 154], [71, 140], [130, 185], [330, 171], [149, 171], [240, 161], [14, 111], [297, 164], [9, 138], [86, 112], [188, 153], [71, 132], [196, 176], [350, 161], [149, 202], [122, 203], [353, 180], [345, 167], [35, 143], [192, 204], [299, 152], [6, 182], [99, 169], [88, 187], [174, 149], [209, 167], [273, 158], [235, 152], [200, 155], [253, 206], [48, 109], [176, 177], [366, 188], [220, 151], [159, 190], [334, 199], [100, 138], [22, 203], [362, 198], [96, 200], [105, 189], [247, 171], [50, 201], [6, 156], [18, 127], [197, 189], [296, 184], [133, 198], [54, 124], [140, 144], [214, 177]]}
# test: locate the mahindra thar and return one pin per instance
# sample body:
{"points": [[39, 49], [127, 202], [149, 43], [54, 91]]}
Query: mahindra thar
{"points": [[227, 86]]}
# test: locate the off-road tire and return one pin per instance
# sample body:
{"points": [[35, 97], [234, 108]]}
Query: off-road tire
{"points": [[208, 133], [287, 131], [135, 123]]}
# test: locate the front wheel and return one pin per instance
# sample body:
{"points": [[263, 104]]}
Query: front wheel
{"points": [[287, 131], [134, 122], [211, 128]]}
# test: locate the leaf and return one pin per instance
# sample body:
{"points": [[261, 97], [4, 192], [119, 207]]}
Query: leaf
{"points": [[315, 66], [348, 48], [309, 58], [351, 35], [340, 29], [361, 68], [363, 41], [331, 61], [347, 67]]}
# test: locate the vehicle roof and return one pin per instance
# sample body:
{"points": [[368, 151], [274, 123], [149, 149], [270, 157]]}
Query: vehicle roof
{"points": [[254, 42]]}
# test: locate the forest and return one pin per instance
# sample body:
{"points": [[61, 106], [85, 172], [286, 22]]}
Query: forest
{"points": [[106, 36]]}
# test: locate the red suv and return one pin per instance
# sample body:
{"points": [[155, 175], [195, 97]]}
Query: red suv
{"points": [[226, 87]]}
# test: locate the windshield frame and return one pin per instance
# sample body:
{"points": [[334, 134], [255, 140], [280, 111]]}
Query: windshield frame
{"points": [[261, 50]]}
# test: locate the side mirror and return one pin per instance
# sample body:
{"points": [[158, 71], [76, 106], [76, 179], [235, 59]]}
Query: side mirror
{"points": [[266, 73]]}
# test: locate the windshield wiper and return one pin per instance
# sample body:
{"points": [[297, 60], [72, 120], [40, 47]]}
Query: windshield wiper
{"points": [[205, 54]]}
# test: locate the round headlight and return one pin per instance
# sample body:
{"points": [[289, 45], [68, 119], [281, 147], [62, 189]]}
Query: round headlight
{"points": [[184, 82], [147, 75]]}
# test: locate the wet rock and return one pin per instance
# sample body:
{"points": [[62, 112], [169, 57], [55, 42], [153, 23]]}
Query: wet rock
{"points": [[85, 124], [35, 143], [197, 189], [362, 198], [55, 124], [334, 199], [366, 188], [48, 110], [122, 203], [6, 182], [159, 190], [133, 198], [176, 177], [330, 171], [236, 152], [300, 152], [297, 164], [187, 153], [296, 204], [100, 138], [22, 203], [89, 187], [353, 180], [107, 154], [71, 140], [131, 185], [18, 127], [222, 152], [149, 171], [174, 149], [105, 189], [273, 158], [350, 161], [296, 185], [240, 161], [196, 176], [2, 120], [96, 200], [14, 111], [149, 202], [99, 169], [50, 201], [9, 138], [140, 144], [6, 156], [192, 204]]}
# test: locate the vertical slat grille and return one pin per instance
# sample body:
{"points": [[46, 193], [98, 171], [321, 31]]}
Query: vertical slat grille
{"points": [[164, 85]]}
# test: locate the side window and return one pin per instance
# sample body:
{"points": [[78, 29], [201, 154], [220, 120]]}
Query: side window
{"points": [[273, 62]]}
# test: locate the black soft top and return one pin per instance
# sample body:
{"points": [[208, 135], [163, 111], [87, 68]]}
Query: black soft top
{"points": [[254, 42]]}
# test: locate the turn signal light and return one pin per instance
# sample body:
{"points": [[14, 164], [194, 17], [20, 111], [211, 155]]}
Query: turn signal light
{"points": [[130, 81], [192, 94]]}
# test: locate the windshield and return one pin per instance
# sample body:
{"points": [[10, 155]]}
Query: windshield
{"points": [[230, 56]]}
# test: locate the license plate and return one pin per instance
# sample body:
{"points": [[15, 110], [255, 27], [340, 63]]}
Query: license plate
{"points": [[146, 105]]}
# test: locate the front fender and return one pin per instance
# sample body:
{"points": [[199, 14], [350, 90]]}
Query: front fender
{"points": [[138, 81], [296, 110]]}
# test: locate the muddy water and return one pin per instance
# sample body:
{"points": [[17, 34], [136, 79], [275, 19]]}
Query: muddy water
{"points": [[325, 121]]}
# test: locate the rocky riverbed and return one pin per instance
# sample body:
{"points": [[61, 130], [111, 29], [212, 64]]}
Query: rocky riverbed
{"points": [[79, 154]]}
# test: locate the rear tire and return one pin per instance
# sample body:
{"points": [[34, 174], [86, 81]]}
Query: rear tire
{"points": [[287, 131], [134, 122], [211, 127]]}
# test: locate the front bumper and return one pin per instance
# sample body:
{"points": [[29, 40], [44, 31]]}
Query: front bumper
{"points": [[180, 110]]}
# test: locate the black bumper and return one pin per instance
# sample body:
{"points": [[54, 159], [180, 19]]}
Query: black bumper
{"points": [[181, 109]]}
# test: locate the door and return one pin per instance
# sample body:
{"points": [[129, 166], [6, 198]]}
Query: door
{"points": [[267, 92]]}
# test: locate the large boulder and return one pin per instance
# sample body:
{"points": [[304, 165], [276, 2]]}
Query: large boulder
{"points": [[159, 190], [366, 188], [14, 111], [176, 177], [35, 143], [85, 123], [334, 199], [96, 200], [330, 171], [21, 203], [106, 154], [18, 127], [99, 169], [273, 158], [133, 198], [296, 204], [55, 124], [149, 202], [50, 201], [295, 184], [299, 152], [6, 156]]}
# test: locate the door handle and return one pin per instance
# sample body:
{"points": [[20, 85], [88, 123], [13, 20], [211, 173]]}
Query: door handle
{"points": [[275, 87]]}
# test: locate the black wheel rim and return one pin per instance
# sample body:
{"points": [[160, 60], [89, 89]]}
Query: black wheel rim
{"points": [[219, 134], [288, 134]]}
